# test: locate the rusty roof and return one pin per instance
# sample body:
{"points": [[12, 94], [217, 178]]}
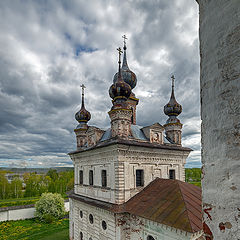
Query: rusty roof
{"points": [[170, 202]]}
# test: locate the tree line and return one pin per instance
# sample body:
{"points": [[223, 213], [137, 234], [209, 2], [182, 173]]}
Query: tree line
{"points": [[33, 184]]}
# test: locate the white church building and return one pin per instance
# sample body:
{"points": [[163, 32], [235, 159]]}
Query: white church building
{"points": [[130, 180]]}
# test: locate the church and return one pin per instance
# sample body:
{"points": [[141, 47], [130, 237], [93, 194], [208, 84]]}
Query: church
{"points": [[130, 180]]}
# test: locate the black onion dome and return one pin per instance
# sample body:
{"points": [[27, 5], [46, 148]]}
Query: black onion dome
{"points": [[172, 108], [119, 89], [127, 75], [82, 115]]}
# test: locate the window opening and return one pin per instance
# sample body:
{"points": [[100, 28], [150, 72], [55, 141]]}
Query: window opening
{"points": [[104, 178], [139, 178], [81, 177], [91, 177], [172, 174], [104, 225], [149, 237], [91, 218]]}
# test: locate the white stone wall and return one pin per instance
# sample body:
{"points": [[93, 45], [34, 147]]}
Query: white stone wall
{"points": [[119, 226], [220, 113], [23, 213], [121, 163], [137, 228], [94, 230]]}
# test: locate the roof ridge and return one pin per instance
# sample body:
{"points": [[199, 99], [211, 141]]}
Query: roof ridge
{"points": [[179, 184]]}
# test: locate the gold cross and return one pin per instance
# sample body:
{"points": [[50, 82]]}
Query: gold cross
{"points": [[124, 38]]}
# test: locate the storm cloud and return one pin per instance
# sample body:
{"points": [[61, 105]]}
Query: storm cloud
{"points": [[49, 48]]}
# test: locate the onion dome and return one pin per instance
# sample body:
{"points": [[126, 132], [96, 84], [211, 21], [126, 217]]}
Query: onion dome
{"points": [[173, 108], [127, 75], [120, 90], [82, 115]]}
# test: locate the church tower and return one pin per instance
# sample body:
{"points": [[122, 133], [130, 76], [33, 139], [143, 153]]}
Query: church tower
{"points": [[82, 116], [173, 125], [120, 113], [118, 169], [130, 78]]}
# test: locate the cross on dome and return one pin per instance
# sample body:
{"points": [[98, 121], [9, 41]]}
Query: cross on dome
{"points": [[124, 39], [173, 78]]}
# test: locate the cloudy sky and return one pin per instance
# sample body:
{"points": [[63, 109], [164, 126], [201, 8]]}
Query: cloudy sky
{"points": [[48, 48]]}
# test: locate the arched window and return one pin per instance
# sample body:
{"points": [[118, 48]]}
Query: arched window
{"points": [[149, 237], [139, 178], [104, 178], [81, 236], [81, 214], [104, 225], [91, 177], [91, 218]]}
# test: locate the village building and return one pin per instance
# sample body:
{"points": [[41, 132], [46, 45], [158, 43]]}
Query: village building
{"points": [[130, 180]]}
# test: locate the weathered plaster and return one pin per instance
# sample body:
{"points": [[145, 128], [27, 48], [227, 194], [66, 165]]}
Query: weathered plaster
{"points": [[220, 113]]}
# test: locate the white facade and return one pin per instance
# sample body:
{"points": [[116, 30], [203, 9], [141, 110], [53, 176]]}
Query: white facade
{"points": [[121, 162]]}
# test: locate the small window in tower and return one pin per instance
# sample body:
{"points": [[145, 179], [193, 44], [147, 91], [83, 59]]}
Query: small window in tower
{"points": [[104, 178], [81, 177], [132, 118], [81, 236], [91, 177], [172, 174], [139, 178]]}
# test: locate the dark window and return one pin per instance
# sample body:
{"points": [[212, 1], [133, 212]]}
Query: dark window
{"points": [[104, 178], [171, 174], [149, 237], [132, 118], [139, 178], [91, 218], [81, 177], [81, 236], [81, 214], [104, 225], [91, 177]]}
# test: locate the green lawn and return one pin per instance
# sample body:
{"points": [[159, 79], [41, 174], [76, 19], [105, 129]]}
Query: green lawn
{"points": [[18, 201], [32, 229], [21, 201]]}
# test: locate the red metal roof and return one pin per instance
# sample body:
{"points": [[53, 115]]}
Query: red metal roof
{"points": [[170, 202]]}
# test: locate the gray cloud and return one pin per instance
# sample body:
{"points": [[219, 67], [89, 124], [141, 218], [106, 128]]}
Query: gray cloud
{"points": [[48, 48]]}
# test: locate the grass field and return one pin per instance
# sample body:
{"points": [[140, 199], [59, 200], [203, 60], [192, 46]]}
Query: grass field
{"points": [[21, 201], [32, 229], [18, 201]]}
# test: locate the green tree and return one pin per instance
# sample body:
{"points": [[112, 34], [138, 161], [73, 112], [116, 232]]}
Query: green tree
{"points": [[16, 188], [49, 207], [4, 186]]}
